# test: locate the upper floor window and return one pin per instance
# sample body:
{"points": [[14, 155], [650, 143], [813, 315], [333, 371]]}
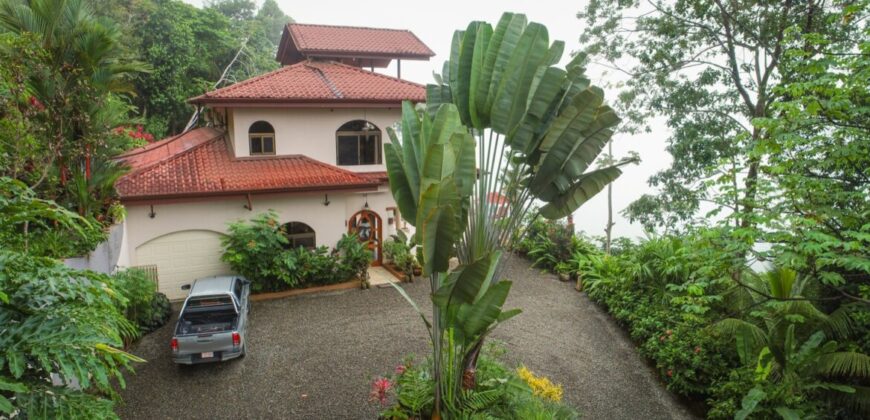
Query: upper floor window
{"points": [[358, 143], [262, 138]]}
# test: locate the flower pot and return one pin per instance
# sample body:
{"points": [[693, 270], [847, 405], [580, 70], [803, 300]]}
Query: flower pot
{"points": [[564, 277], [418, 271]]}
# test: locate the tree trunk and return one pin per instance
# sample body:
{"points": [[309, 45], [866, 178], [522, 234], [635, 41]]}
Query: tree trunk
{"points": [[609, 229]]}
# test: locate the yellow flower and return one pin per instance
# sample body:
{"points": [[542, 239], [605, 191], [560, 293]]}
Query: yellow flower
{"points": [[541, 385]]}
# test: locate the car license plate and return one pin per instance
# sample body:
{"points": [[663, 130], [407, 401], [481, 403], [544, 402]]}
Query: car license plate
{"points": [[207, 355]]}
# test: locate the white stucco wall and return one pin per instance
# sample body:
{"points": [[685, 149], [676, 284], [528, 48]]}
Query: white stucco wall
{"points": [[309, 132], [328, 222]]}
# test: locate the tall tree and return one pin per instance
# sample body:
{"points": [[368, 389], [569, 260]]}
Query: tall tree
{"points": [[71, 92], [708, 67]]}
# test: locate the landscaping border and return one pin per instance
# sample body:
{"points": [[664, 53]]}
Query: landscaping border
{"points": [[259, 297]]}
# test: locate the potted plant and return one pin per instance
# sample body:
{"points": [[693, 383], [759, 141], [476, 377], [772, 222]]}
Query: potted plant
{"points": [[563, 269]]}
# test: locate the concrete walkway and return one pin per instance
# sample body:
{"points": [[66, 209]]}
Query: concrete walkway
{"points": [[315, 356]]}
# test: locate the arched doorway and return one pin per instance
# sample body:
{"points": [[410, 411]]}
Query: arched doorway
{"points": [[367, 226]]}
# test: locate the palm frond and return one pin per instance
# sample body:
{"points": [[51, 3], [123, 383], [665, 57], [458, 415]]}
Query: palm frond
{"points": [[844, 363]]}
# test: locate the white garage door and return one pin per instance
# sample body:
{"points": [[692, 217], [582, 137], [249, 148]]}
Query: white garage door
{"points": [[182, 257]]}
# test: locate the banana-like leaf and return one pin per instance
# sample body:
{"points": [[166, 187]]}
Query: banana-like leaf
{"points": [[567, 133], [585, 188], [473, 280], [437, 95], [439, 225], [464, 54], [490, 53], [500, 54], [513, 91], [548, 88], [463, 147], [412, 152], [481, 43], [476, 318], [399, 184]]}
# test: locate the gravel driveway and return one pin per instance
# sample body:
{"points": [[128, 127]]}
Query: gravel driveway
{"points": [[313, 357]]}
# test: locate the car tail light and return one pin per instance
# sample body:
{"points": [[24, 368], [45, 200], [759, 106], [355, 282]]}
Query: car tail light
{"points": [[174, 344], [237, 339]]}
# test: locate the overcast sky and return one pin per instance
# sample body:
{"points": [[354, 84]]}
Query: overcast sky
{"points": [[434, 23]]}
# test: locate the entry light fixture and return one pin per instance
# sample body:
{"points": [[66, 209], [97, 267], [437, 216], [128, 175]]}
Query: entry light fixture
{"points": [[325, 199]]}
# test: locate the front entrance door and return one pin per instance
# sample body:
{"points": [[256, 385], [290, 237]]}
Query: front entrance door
{"points": [[366, 224]]}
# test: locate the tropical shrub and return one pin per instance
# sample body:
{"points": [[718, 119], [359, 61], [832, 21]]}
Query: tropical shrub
{"points": [[60, 328], [500, 392], [145, 307], [260, 250], [398, 250], [257, 250], [765, 349]]}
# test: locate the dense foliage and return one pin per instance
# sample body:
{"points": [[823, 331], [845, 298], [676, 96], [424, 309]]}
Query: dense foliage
{"points": [[777, 348], [190, 50], [399, 252], [260, 250], [503, 393], [84, 80], [60, 329], [146, 307]]}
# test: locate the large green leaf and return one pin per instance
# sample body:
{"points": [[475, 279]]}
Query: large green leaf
{"points": [[481, 43], [399, 185], [478, 317], [474, 279], [548, 88], [463, 146], [490, 54], [585, 188], [461, 83], [513, 90], [500, 54], [438, 224], [412, 151], [567, 132]]}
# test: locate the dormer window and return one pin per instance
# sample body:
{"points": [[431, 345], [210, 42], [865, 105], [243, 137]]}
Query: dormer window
{"points": [[358, 143], [262, 138]]}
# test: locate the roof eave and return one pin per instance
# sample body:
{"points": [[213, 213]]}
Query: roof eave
{"points": [[365, 55], [283, 103], [370, 186]]}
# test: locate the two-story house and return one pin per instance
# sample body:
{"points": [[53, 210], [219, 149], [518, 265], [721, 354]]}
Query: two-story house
{"points": [[305, 140]]}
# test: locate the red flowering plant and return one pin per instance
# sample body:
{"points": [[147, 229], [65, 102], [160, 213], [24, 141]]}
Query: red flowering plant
{"points": [[380, 387], [138, 134]]}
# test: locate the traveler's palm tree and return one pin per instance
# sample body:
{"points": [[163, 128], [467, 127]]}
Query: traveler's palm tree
{"points": [[503, 122]]}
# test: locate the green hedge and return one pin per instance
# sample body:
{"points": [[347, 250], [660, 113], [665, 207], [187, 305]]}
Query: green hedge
{"points": [[731, 350]]}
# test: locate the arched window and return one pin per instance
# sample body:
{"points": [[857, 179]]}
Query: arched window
{"points": [[300, 234], [358, 143], [262, 138]]}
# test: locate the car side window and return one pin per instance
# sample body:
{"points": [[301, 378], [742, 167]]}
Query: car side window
{"points": [[237, 289]]}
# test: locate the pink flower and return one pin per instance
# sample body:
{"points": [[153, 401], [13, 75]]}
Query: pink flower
{"points": [[400, 369], [380, 387]]}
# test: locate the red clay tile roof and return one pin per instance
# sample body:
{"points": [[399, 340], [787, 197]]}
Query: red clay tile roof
{"points": [[210, 169], [159, 150], [318, 82], [305, 41], [380, 177]]}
